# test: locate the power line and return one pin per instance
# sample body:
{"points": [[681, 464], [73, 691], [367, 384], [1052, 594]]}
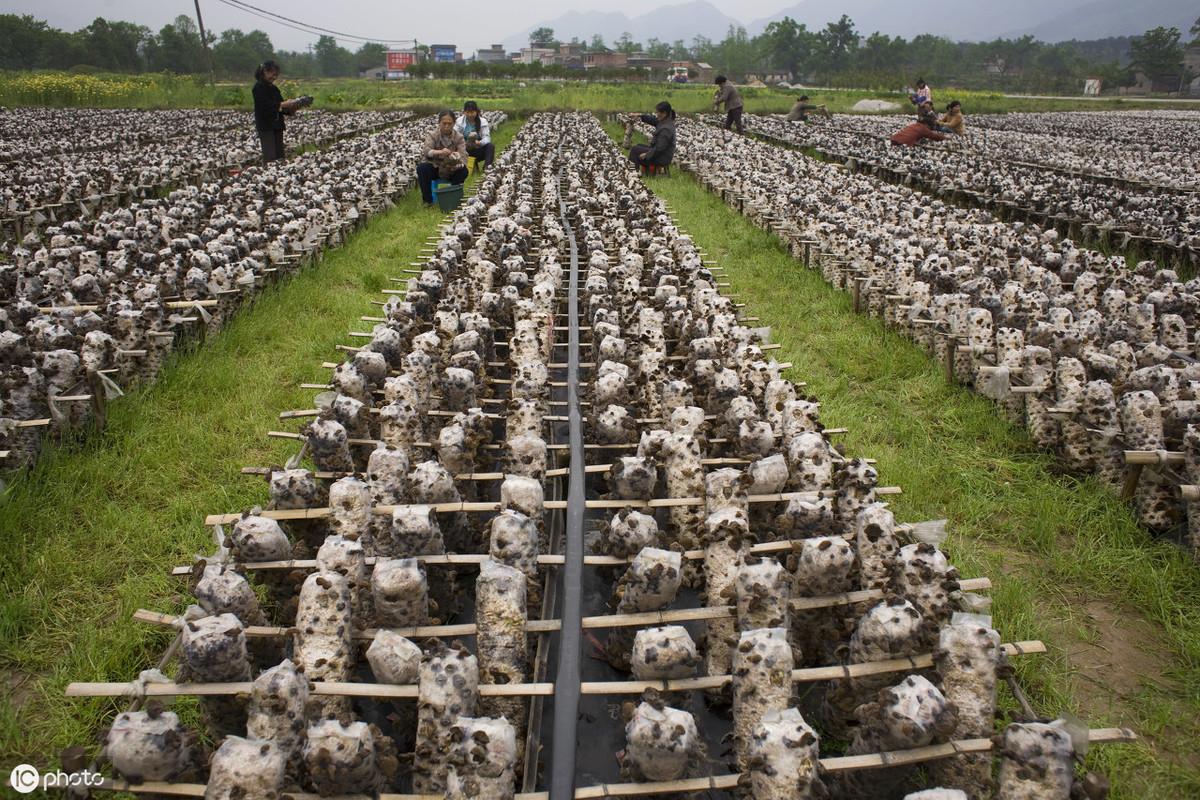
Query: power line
{"points": [[248, 7], [305, 27]]}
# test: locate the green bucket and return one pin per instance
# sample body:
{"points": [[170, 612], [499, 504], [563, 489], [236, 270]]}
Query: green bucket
{"points": [[449, 196]]}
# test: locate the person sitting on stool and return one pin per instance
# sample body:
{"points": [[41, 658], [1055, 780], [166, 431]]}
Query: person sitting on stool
{"points": [[661, 149], [446, 156], [478, 133]]}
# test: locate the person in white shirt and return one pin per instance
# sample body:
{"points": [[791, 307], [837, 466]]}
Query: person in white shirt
{"points": [[475, 129], [923, 94]]}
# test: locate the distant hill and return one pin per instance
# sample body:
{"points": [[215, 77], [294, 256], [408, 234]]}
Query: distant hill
{"points": [[958, 20], [666, 23], [1103, 18], [1047, 20]]}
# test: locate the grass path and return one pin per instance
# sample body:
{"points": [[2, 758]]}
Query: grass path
{"points": [[89, 535], [1120, 612]]}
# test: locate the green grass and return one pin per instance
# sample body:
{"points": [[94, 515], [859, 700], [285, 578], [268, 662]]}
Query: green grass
{"points": [[154, 90], [90, 534], [1050, 543]]}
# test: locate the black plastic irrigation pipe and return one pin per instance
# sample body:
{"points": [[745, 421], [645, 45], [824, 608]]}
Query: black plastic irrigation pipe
{"points": [[566, 683]]}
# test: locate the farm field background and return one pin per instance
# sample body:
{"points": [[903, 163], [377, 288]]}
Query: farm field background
{"points": [[173, 91], [86, 533]]}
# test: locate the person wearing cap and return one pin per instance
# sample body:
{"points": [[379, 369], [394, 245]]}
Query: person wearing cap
{"points": [[661, 149], [728, 95], [477, 132], [799, 112]]}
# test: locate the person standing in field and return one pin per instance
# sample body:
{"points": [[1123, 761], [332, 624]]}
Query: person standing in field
{"points": [[478, 134], [269, 111], [728, 95], [445, 152]]}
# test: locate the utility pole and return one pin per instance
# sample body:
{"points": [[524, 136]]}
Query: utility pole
{"points": [[204, 41]]}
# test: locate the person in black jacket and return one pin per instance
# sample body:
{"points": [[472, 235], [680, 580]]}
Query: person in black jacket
{"points": [[661, 149], [269, 111]]}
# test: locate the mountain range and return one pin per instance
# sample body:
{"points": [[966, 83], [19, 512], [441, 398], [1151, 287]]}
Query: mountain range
{"points": [[962, 21]]}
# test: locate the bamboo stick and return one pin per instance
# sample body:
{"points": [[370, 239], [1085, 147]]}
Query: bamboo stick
{"points": [[384, 690], [601, 622], [550, 505]]}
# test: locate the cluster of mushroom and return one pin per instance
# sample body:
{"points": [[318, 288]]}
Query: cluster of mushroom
{"points": [[1049, 189], [88, 307], [721, 425], [33, 132], [123, 156], [1095, 358], [415, 397]]}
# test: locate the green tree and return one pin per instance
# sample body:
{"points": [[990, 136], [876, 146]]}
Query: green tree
{"points": [[735, 55], [26, 42], [657, 49], [117, 46], [787, 45], [543, 37], [1196, 28], [1157, 53], [371, 54], [333, 60], [178, 48], [838, 42], [597, 43], [881, 53], [679, 51], [627, 45], [238, 54]]}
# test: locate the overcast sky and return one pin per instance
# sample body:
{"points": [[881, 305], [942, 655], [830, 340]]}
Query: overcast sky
{"points": [[470, 25]]}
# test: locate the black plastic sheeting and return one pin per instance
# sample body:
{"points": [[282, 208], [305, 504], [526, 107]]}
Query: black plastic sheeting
{"points": [[566, 683]]}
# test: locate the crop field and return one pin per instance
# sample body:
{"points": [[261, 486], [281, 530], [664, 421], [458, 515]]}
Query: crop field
{"points": [[345, 94], [815, 468]]}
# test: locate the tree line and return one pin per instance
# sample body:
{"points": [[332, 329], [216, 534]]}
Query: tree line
{"points": [[116, 46], [837, 55], [840, 55]]}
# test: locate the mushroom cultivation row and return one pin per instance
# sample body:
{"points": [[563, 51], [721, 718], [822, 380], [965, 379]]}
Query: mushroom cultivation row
{"points": [[92, 306], [1113, 213], [732, 550], [1093, 357], [1156, 148], [398, 451], [114, 157]]}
